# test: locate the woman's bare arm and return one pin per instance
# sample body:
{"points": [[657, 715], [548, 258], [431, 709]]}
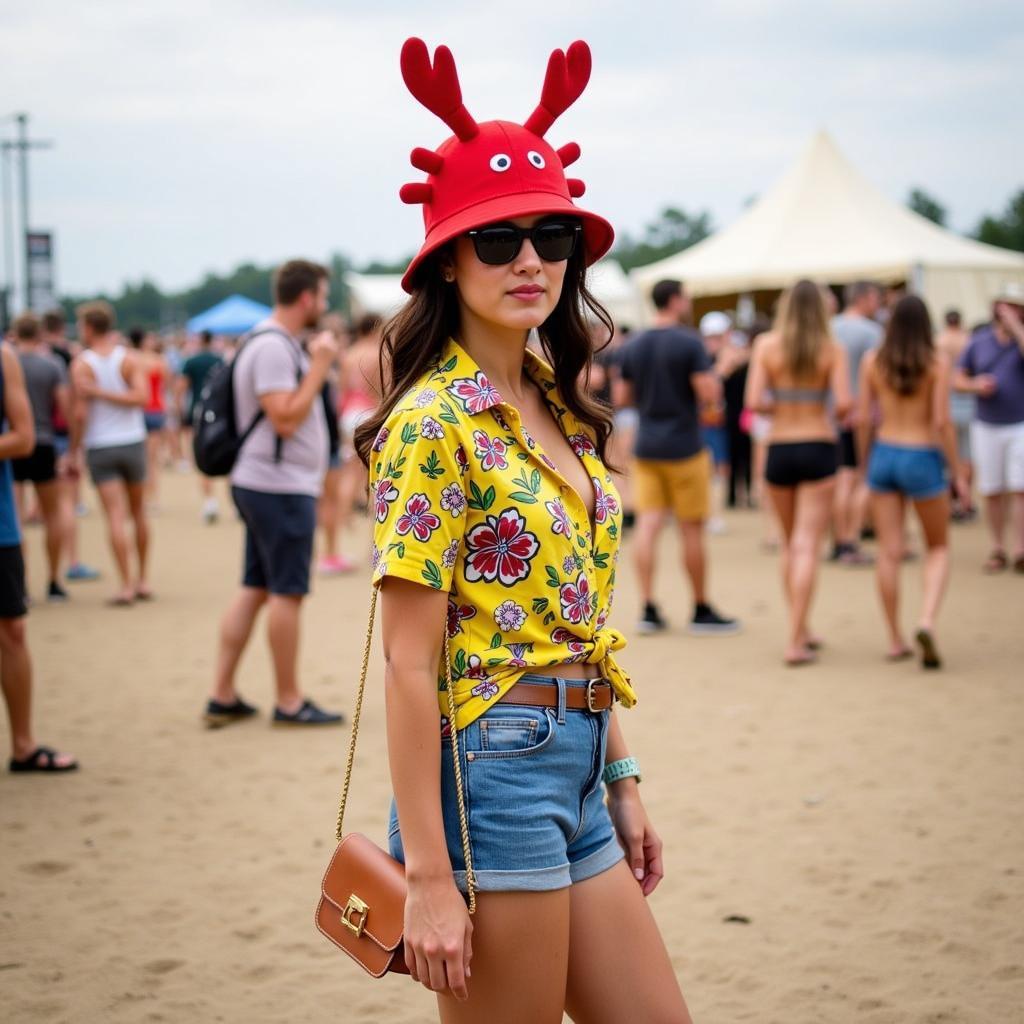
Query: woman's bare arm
{"points": [[839, 381], [437, 926], [942, 421], [865, 398], [755, 396]]}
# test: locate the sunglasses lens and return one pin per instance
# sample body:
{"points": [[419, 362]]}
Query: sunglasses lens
{"points": [[555, 240], [497, 245]]}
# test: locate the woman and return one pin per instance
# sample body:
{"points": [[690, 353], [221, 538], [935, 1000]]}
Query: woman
{"points": [[497, 531], [951, 342], [796, 370], [158, 373], [909, 382]]}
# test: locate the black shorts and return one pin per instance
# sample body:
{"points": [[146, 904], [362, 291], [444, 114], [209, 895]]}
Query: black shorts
{"points": [[847, 450], [40, 467], [799, 462], [13, 601], [279, 530]]}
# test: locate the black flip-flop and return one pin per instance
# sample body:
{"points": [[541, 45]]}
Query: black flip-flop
{"points": [[218, 714], [929, 652], [42, 759]]}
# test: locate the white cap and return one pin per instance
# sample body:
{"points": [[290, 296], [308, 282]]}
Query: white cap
{"points": [[1011, 291], [715, 323]]}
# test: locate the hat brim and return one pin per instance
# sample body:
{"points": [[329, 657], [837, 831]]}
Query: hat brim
{"points": [[597, 232]]}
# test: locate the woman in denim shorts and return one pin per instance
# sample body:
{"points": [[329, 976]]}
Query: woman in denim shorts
{"points": [[495, 549], [915, 444]]}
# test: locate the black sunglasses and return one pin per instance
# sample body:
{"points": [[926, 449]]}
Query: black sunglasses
{"points": [[554, 241]]}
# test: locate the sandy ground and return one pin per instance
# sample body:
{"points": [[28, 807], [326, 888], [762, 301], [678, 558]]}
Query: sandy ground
{"points": [[865, 817]]}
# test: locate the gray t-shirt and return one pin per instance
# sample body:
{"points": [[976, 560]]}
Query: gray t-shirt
{"points": [[43, 375], [274, 362], [857, 334], [659, 364]]}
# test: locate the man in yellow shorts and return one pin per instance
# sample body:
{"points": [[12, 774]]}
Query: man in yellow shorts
{"points": [[668, 375]]}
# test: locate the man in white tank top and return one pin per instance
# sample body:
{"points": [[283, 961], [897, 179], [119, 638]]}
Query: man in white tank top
{"points": [[109, 395]]}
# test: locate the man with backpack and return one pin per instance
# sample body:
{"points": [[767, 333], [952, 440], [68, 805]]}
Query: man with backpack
{"points": [[282, 441]]}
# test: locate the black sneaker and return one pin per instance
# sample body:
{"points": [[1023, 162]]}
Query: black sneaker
{"points": [[707, 622], [308, 714], [218, 714], [651, 620], [56, 592]]}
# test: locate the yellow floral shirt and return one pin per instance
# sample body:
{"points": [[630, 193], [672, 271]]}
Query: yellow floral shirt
{"points": [[466, 501]]}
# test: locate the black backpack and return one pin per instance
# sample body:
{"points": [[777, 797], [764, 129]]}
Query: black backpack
{"points": [[216, 440]]}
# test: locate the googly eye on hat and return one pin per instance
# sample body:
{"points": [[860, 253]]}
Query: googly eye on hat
{"points": [[495, 170], [715, 323]]}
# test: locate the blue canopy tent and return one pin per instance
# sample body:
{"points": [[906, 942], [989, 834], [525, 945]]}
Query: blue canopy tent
{"points": [[234, 315]]}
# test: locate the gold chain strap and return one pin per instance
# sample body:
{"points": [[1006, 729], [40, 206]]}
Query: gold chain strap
{"points": [[463, 822]]}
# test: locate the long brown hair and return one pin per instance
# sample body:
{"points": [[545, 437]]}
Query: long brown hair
{"points": [[908, 348], [415, 337], [802, 324]]}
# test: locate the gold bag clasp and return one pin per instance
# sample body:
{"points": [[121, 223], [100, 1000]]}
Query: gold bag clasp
{"points": [[355, 908]]}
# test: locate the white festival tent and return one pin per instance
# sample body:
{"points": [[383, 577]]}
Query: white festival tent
{"points": [[382, 293], [823, 220]]}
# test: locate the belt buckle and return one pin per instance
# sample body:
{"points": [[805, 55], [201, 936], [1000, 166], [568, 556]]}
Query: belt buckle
{"points": [[590, 696]]}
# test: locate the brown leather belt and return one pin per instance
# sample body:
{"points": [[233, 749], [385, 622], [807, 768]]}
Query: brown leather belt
{"points": [[596, 696]]}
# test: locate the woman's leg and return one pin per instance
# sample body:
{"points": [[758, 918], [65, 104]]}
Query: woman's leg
{"points": [[814, 506], [934, 517], [520, 960], [887, 512], [619, 968]]}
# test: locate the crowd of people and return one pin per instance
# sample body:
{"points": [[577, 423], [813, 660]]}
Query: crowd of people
{"points": [[831, 422]]}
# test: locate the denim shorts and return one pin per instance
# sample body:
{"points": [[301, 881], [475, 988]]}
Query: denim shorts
{"points": [[917, 472], [534, 797]]}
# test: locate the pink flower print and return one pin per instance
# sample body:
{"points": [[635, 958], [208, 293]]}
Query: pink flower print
{"points": [[581, 444], [456, 614], [601, 619], [530, 443], [374, 557], [510, 616], [381, 439], [446, 727], [384, 493], [461, 460], [418, 518], [575, 599], [490, 451], [475, 393], [449, 554], [500, 548], [547, 462], [425, 397], [604, 504], [559, 517], [561, 635], [453, 500], [431, 429], [518, 650], [486, 688]]}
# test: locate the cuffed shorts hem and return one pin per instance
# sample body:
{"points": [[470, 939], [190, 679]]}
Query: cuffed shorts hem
{"points": [[546, 879], [681, 486]]}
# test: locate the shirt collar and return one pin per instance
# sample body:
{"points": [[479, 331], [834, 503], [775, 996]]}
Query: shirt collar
{"points": [[470, 387]]}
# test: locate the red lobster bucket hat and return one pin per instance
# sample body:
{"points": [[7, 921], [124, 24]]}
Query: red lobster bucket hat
{"points": [[496, 170]]}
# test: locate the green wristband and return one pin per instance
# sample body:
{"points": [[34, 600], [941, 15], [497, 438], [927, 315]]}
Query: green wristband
{"points": [[624, 768]]}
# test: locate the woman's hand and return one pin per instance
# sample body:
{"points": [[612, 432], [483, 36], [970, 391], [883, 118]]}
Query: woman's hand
{"points": [[636, 835], [438, 934]]}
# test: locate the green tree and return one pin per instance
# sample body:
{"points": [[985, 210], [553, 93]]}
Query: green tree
{"points": [[927, 206], [1006, 231], [672, 231]]}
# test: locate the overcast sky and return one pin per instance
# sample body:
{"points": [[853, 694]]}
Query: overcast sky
{"points": [[191, 136]]}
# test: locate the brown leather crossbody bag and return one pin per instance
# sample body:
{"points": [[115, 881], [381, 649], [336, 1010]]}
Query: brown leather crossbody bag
{"points": [[362, 896]]}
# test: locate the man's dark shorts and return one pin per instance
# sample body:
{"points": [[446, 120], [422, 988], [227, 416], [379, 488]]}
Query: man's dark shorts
{"points": [[39, 468], [13, 602], [279, 532], [847, 450]]}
